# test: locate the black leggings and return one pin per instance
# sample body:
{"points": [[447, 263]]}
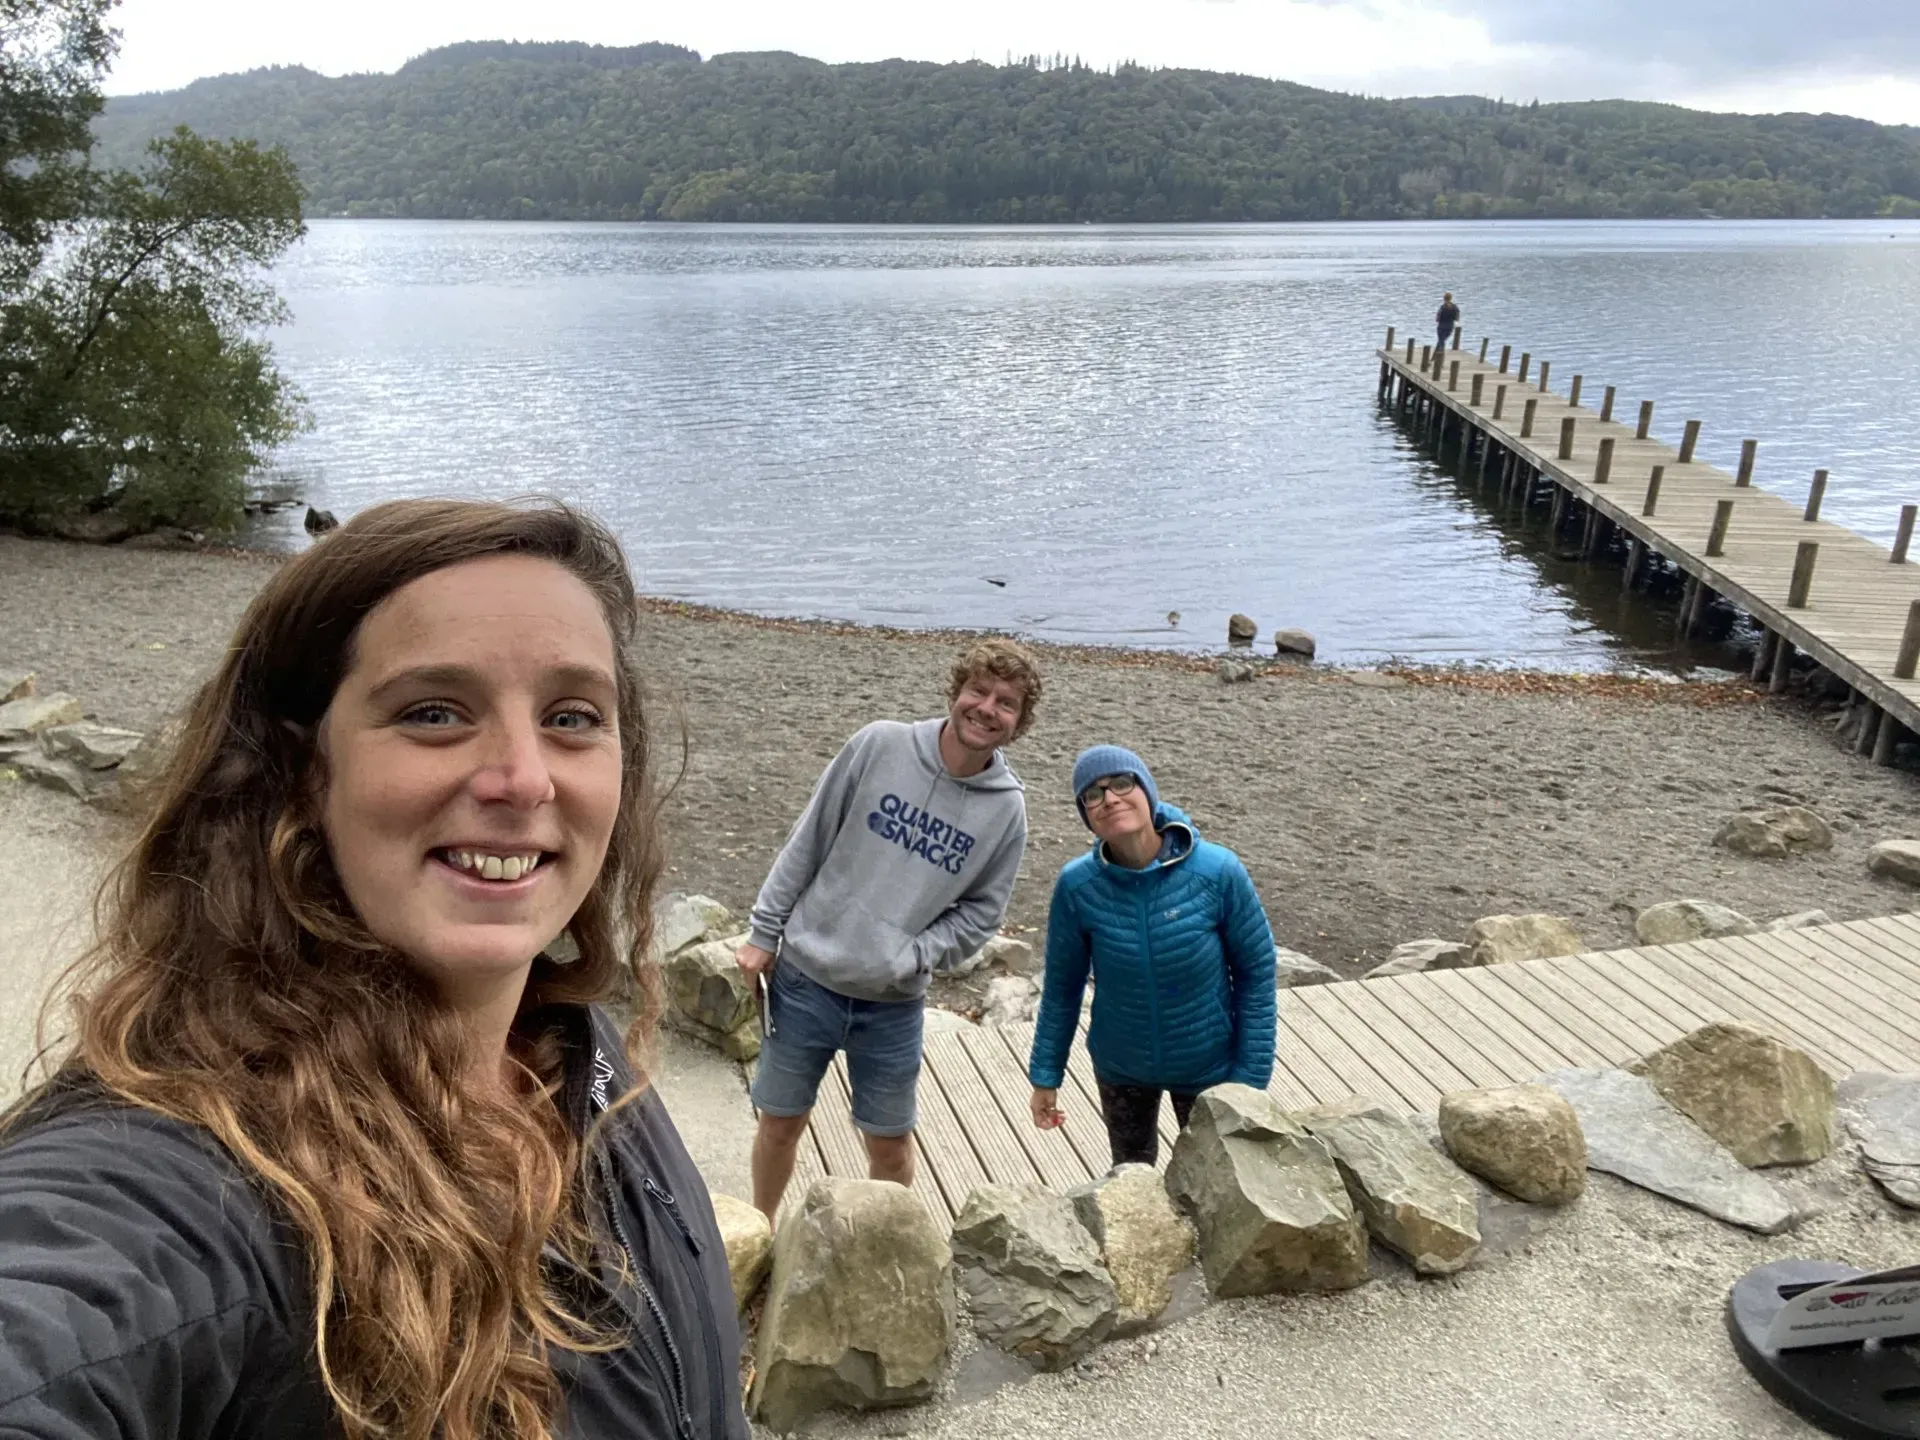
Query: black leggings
{"points": [[1132, 1113]]}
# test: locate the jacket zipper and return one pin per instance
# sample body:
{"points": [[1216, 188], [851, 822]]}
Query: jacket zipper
{"points": [[664, 1199], [1153, 977], [683, 1421]]}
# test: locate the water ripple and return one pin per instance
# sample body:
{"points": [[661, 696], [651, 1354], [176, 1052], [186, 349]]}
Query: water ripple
{"points": [[865, 423]]}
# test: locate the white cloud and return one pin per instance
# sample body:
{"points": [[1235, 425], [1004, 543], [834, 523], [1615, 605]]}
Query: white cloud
{"points": [[1381, 47]]}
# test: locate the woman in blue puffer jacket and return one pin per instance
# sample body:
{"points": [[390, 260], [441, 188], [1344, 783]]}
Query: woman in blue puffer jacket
{"points": [[1180, 953]]}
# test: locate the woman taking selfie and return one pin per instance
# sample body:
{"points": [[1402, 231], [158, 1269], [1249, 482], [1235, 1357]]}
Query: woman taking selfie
{"points": [[337, 1149], [1180, 953]]}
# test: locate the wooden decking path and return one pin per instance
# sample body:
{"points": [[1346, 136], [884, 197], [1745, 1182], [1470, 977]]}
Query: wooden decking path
{"points": [[1860, 599], [1849, 995]]}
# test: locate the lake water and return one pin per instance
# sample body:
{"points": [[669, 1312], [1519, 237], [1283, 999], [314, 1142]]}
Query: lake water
{"points": [[875, 424]]}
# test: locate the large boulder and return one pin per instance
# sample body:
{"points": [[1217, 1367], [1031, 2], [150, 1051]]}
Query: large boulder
{"points": [[1800, 920], [712, 999], [1523, 1138], [23, 719], [1883, 1114], [1633, 1133], [148, 761], [1011, 1000], [748, 1237], [1292, 969], [1002, 953], [859, 1306], [1266, 1198], [75, 779], [1896, 859], [1775, 832], [1673, 921], [935, 1020], [1031, 1274], [1415, 1201], [1414, 956], [1768, 1103], [1294, 644], [1503, 939], [87, 743], [678, 922], [1144, 1242]]}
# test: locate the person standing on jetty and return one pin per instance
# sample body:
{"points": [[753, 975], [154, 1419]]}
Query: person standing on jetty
{"points": [[1181, 956], [337, 1149], [1447, 318], [902, 864]]}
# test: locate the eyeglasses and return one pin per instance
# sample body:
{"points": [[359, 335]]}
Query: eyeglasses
{"points": [[1115, 785]]}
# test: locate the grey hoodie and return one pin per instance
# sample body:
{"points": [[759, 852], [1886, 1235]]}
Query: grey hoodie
{"points": [[896, 868]]}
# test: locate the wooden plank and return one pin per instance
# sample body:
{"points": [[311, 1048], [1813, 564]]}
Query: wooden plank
{"points": [[1413, 1087], [1435, 1068], [1539, 1052], [1461, 1050], [1601, 1017], [1830, 997], [968, 1126], [1879, 957], [845, 1149], [1515, 1057], [807, 1168], [1653, 1027], [1679, 1006], [1889, 938], [1853, 625], [1707, 974], [1855, 955], [1316, 1077], [1853, 984], [1003, 1083], [1309, 1030], [1497, 989], [1289, 1091], [1086, 1125], [1794, 1003], [1903, 928]]}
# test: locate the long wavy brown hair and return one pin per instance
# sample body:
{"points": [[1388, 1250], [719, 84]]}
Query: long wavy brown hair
{"points": [[234, 987]]}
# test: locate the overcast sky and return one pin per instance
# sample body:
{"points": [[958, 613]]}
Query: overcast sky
{"points": [[1855, 57]]}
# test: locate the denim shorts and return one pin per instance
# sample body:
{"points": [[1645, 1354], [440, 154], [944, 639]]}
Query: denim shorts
{"points": [[807, 1023]]}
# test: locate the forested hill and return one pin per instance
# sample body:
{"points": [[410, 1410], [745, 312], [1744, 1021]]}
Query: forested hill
{"points": [[654, 132]]}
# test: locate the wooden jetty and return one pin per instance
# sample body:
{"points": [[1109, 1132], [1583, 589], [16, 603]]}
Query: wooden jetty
{"points": [[1844, 602], [1848, 995]]}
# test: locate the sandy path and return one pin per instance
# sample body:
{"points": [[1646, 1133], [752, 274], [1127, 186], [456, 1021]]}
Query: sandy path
{"points": [[51, 850]]}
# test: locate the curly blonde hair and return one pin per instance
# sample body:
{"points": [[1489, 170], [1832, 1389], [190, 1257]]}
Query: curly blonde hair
{"points": [[1003, 659]]}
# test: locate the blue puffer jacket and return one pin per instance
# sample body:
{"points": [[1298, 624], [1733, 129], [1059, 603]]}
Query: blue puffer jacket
{"points": [[1182, 960]]}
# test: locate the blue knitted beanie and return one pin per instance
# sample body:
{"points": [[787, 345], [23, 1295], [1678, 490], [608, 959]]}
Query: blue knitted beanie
{"points": [[1110, 760]]}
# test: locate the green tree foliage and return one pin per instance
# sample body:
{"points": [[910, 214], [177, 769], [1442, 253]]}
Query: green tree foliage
{"points": [[653, 132], [51, 58], [136, 389]]}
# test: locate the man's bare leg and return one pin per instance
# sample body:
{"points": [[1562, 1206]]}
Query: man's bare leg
{"points": [[890, 1157], [775, 1145]]}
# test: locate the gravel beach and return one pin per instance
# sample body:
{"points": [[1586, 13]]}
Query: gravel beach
{"points": [[1369, 812], [1367, 816]]}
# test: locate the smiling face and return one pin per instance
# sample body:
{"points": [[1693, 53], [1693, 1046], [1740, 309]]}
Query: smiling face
{"points": [[986, 713], [1117, 817], [473, 768]]}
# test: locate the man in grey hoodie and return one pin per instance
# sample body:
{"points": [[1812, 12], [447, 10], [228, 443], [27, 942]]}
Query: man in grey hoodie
{"points": [[902, 864]]}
